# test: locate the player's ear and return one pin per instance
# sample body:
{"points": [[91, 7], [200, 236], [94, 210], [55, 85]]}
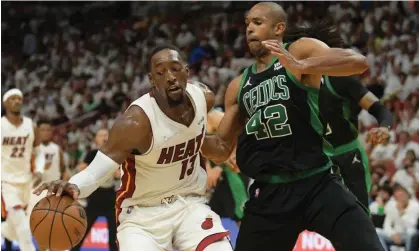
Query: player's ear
{"points": [[187, 70], [280, 28], [6, 104]]}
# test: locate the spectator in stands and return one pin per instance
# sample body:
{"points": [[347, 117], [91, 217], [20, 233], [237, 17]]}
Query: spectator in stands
{"points": [[411, 156], [378, 207], [378, 179], [411, 84], [81, 64], [383, 196], [400, 223], [404, 145], [407, 177]]}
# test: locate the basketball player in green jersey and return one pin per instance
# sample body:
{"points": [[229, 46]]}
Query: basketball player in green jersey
{"points": [[340, 101], [273, 108]]}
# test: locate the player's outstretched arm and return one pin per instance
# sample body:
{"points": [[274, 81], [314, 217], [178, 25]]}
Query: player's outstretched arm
{"points": [[130, 132], [39, 158], [383, 116], [214, 119], [350, 88], [309, 56], [218, 147]]}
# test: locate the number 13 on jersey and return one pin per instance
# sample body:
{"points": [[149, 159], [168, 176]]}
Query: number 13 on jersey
{"points": [[275, 125]]}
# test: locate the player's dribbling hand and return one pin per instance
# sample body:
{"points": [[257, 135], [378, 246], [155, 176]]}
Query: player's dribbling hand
{"points": [[285, 58], [377, 135], [58, 187]]}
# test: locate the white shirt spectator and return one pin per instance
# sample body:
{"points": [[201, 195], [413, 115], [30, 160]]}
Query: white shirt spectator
{"points": [[185, 37], [402, 178], [410, 85], [383, 152], [366, 119], [374, 206], [402, 152], [71, 108], [238, 64], [393, 85], [401, 224]]}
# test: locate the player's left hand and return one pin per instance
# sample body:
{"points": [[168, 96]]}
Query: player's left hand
{"points": [[377, 135], [285, 58], [37, 179], [232, 164]]}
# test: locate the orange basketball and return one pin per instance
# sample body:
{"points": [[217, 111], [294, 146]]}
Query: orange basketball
{"points": [[58, 222]]}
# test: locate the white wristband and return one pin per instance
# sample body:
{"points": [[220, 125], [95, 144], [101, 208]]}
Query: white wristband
{"points": [[100, 169]]}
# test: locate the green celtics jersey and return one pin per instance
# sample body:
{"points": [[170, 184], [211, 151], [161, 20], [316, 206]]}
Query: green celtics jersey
{"points": [[283, 132]]}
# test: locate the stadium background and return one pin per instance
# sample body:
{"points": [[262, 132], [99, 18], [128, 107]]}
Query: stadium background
{"points": [[81, 63]]}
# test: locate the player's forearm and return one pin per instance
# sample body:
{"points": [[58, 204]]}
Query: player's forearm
{"points": [[216, 149], [337, 62], [383, 116], [39, 160], [101, 169]]}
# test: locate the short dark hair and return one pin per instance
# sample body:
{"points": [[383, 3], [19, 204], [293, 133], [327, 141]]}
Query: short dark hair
{"points": [[44, 121], [386, 188], [324, 31], [157, 49]]}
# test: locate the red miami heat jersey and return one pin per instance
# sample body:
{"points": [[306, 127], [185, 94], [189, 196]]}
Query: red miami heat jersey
{"points": [[16, 151], [172, 165]]}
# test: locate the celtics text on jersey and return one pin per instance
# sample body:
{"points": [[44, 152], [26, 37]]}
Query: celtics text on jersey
{"points": [[283, 132]]}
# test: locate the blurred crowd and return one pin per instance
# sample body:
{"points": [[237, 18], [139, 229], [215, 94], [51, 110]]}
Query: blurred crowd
{"points": [[81, 64]]}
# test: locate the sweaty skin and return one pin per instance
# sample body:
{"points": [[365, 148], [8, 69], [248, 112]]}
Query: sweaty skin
{"points": [[213, 121]]}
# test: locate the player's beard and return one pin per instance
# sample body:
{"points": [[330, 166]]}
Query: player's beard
{"points": [[174, 102], [259, 51]]}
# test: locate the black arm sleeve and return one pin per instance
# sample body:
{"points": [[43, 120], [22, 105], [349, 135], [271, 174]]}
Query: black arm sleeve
{"points": [[90, 156], [348, 88], [382, 114]]}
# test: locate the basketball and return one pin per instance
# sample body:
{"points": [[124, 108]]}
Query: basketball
{"points": [[58, 222]]}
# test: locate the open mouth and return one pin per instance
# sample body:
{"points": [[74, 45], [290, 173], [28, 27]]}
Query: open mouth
{"points": [[251, 40], [174, 88]]}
